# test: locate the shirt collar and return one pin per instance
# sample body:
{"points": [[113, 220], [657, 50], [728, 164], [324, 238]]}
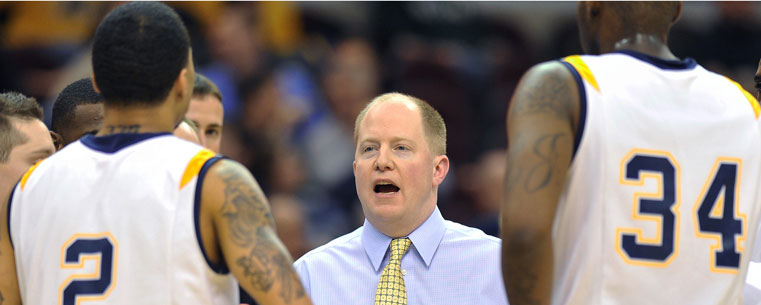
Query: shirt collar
{"points": [[425, 239]]}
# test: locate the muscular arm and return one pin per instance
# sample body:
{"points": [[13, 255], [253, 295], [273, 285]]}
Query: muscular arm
{"points": [[540, 126], [9, 291], [245, 233]]}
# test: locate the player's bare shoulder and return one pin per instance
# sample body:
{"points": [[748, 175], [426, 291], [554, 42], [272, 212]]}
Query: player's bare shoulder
{"points": [[547, 88], [238, 199]]}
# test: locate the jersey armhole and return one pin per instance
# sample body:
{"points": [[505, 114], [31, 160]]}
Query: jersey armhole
{"points": [[220, 268], [582, 107]]}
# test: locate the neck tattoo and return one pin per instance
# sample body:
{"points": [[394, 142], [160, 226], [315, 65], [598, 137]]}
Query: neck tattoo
{"points": [[111, 129]]}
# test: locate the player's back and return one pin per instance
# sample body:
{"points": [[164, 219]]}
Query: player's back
{"points": [[114, 220], [663, 186]]}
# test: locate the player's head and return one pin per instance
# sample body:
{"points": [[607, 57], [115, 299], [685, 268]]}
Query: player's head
{"points": [[141, 58], [206, 112], [24, 138], [77, 111], [399, 161], [187, 130], [602, 24]]}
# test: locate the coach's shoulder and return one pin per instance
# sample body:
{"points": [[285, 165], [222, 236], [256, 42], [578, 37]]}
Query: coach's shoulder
{"points": [[349, 244], [458, 233]]}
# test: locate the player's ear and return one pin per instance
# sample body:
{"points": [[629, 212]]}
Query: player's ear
{"points": [[57, 140], [183, 85]]}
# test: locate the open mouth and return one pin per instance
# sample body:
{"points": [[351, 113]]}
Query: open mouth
{"points": [[385, 187]]}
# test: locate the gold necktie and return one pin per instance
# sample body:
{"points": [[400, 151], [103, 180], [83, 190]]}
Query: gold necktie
{"points": [[391, 290]]}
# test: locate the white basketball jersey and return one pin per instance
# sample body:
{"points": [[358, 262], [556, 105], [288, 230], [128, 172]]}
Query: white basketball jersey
{"points": [[114, 220], [662, 196]]}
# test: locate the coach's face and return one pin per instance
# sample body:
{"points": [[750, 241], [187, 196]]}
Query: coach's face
{"points": [[394, 168]]}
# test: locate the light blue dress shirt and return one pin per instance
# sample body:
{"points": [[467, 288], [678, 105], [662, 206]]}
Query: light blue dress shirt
{"points": [[448, 263]]}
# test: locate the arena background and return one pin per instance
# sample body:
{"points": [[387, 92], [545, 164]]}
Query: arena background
{"points": [[294, 76]]}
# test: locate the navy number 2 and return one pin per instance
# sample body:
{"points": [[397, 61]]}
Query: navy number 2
{"points": [[101, 248]]}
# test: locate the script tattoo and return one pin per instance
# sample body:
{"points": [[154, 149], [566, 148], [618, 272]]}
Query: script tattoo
{"points": [[540, 174], [251, 223], [536, 175]]}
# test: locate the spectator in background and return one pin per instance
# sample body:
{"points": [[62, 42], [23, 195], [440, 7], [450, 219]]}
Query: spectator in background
{"points": [[24, 138], [350, 80], [288, 213], [206, 112], [77, 111], [484, 182], [238, 55]]}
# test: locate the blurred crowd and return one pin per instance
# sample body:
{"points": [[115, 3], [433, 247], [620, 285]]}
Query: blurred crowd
{"points": [[294, 77]]}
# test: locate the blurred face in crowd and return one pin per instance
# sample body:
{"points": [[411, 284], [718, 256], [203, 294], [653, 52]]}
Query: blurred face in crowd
{"points": [[351, 79], [396, 174], [207, 112], [38, 146]]}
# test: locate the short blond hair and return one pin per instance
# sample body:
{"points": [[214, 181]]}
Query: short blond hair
{"points": [[433, 124]]}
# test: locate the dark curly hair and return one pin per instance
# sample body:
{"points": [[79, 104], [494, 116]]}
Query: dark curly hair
{"points": [[80, 92], [138, 51]]}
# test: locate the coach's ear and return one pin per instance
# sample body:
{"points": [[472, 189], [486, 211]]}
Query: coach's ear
{"points": [[95, 84], [57, 140]]}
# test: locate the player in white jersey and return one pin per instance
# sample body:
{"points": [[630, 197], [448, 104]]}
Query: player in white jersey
{"points": [[134, 215], [632, 176]]}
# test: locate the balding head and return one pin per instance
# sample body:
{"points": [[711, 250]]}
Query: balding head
{"points": [[433, 124], [602, 24]]}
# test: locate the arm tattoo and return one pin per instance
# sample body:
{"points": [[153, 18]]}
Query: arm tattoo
{"points": [[251, 223], [539, 174], [550, 96], [244, 209]]}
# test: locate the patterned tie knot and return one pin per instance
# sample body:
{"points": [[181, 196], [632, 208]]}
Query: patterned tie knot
{"points": [[399, 247]]}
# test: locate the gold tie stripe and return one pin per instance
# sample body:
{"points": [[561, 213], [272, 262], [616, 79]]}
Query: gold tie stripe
{"points": [[391, 290]]}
